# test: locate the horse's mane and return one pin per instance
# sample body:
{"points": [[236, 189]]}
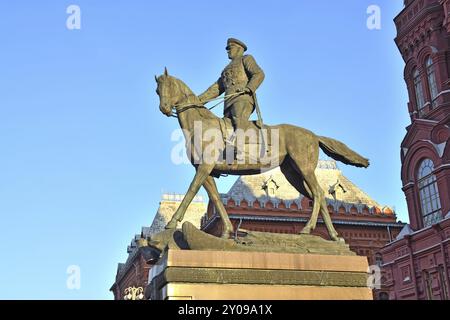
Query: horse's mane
{"points": [[186, 91]]}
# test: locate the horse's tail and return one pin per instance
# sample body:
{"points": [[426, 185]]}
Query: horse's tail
{"points": [[339, 151]]}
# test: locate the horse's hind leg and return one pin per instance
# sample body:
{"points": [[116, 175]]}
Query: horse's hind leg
{"points": [[328, 223], [213, 193], [295, 178], [317, 196], [320, 205], [306, 170]]}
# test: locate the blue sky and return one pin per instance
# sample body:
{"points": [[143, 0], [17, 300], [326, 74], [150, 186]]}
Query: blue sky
{"points": [[85, 152]]}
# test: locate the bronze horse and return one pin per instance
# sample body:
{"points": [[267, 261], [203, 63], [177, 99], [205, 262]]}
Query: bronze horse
{"points": [[297, 155]]}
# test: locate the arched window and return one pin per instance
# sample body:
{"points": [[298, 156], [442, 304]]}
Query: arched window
{"points": [[429, 193], [431, 78], [420, 100]]}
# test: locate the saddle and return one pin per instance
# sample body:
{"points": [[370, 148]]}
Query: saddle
{"points": [[253, 138]]}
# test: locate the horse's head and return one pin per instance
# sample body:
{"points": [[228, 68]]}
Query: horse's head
{"points": [[168, 92]]}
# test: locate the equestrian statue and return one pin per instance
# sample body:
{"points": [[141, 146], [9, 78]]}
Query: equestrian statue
{"points": [[208, 138]]}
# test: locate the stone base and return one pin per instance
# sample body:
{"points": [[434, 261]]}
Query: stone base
{"points": [[228, 275]]}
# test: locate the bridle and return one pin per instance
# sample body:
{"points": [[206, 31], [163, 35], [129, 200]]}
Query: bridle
{"points": [[181, 107]]}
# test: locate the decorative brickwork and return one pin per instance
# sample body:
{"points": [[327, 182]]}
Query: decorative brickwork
{"points": [[416, 265]]}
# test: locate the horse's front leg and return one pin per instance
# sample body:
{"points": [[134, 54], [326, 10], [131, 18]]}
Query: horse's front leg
{"points": [[213, 193], [202, 173]]}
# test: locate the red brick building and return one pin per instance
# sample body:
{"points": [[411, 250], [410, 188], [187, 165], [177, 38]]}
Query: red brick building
{"points": [[133, 273], [268, 203], [416, 265]]}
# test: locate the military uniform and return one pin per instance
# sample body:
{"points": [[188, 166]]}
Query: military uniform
{"points": [[240, 74]]}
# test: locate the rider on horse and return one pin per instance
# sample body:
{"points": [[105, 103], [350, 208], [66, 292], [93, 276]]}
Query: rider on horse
{"points": [[241, 75]]}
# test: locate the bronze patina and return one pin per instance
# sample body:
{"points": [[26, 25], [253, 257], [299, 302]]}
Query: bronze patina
{"points": [[296, 151], [241, 75]]}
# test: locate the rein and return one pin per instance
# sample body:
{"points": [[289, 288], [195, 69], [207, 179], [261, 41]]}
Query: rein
{"points": [[178, 108]]}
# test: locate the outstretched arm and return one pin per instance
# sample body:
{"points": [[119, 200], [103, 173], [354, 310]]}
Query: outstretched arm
{"points": [[212, 92]]}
